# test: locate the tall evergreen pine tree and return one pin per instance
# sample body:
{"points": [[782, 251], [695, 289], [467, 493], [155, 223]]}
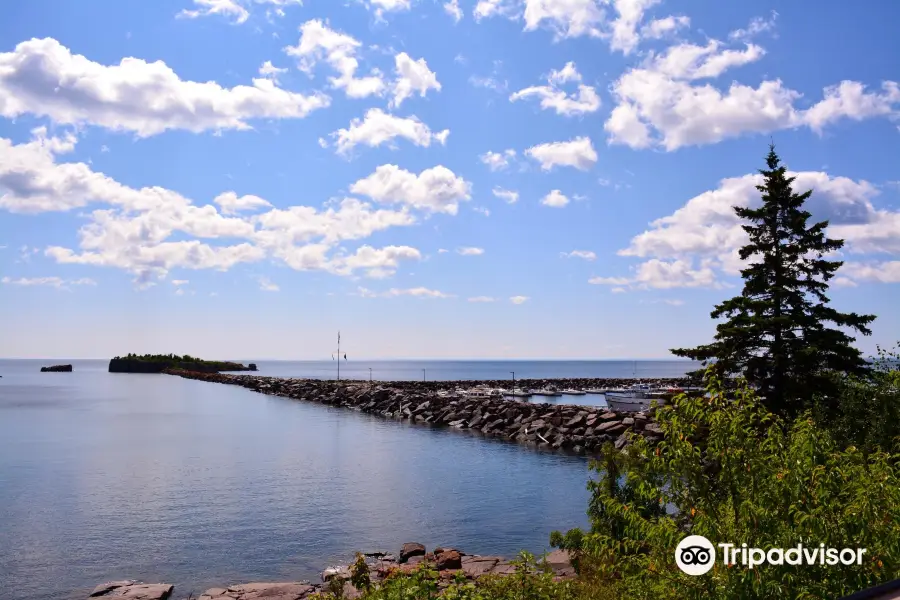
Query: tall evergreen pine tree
{"points": [[776, 333]]}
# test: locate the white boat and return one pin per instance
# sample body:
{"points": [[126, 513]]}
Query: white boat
{"points": [[636, 391], [572, 392], [637, 398], [482, 394], [546, 392], [518, 394]]}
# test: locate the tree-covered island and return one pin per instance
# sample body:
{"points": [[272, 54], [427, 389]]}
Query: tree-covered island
{"points": [[158, 363]]}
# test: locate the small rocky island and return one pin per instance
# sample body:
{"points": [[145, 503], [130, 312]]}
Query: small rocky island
{"points": [[57, 369], [160, 363]]}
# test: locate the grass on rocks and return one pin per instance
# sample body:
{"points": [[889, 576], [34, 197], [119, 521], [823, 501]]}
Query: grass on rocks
{"points": [[533, 580]]}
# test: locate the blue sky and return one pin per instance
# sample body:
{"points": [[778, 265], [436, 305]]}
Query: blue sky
{"points": [[493, 178]]}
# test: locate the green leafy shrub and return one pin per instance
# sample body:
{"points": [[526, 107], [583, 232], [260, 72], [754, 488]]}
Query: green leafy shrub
{"points": [[359, 573], [532, 581], [420, 584], [866, 414], [731, 471]]}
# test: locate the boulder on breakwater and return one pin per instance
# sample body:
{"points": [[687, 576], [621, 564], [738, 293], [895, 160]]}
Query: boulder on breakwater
{"points": [[57, 369], [450, 563], [568, 428]]}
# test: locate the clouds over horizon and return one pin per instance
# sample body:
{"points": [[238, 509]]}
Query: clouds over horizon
{"points": [[133, 231], [605, 94]]}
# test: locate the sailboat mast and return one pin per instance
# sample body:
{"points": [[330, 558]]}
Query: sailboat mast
{"points": [[339, 356]]}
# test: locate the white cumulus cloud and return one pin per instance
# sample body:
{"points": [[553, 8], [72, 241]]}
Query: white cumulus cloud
{"points": [[319, 42], [585, 254], [497, 161], [697, 245], [267, 286], [491, 8], [380, 7], [660, 103], [150, 231], [42, 77], [270, 71], [661, 28], [413, 76], [552, 97], [619, 22], [578, 152], [231, 203], [55, 282], [509, 196], [227, 8], [378, 127], [555, 199], [417, 292], [235, 9], [437, 189], [453, 9]]}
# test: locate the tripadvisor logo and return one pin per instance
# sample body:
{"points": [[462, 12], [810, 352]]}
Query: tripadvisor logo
{"points": [[696, 555]]}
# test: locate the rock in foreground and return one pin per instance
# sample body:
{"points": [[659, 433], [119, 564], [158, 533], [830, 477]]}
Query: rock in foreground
{"points": [[133, 590], [255, 591]]}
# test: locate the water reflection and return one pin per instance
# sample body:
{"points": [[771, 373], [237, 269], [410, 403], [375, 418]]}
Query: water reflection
{"points": [[160, 478]]}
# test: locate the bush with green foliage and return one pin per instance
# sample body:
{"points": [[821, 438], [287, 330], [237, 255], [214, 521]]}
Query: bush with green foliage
{"points": [[359, 573], [533, 580], [730, 470], [866, 413]]}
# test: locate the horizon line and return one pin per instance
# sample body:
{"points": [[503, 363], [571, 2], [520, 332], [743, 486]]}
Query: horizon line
{"points": [[402, 359]]}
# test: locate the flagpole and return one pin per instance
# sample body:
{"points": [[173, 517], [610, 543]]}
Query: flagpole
{"points": [[339, 356]]}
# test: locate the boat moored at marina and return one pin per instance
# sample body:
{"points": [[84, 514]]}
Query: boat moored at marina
{"points": [[572, 392], [482, 393], [637, 398], [546, 392]]}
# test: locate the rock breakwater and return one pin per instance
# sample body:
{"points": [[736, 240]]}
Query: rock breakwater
{"points": [[448, 562], [574, 429]]}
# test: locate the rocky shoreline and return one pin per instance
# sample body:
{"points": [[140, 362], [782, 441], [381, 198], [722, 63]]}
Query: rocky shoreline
{"points": [[448, 562], [569, 428]]}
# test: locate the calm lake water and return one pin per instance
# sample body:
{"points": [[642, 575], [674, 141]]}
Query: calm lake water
{"points": [[110, 476]]}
